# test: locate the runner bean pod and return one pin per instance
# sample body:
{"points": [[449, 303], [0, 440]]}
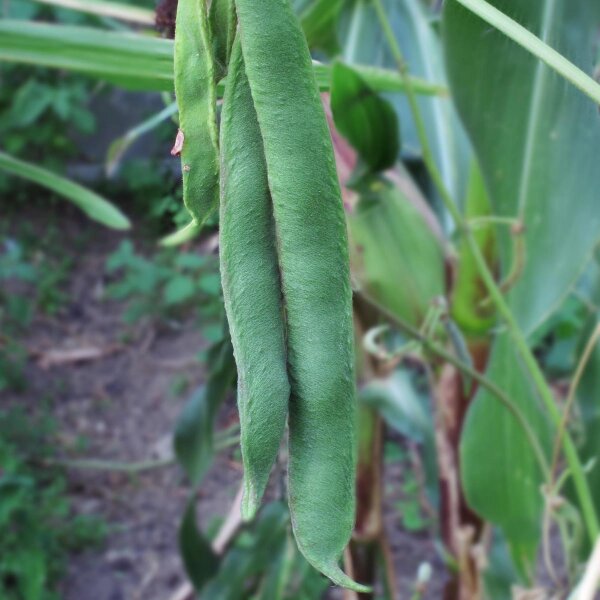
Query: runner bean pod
{"points": [[195, 89], [312, 254], [223, 23], [251, 286]]}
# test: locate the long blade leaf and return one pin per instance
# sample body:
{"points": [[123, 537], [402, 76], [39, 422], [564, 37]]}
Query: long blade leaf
{"points": [[116, 10], [136, 61], [522, 36], [93, 205], [528, 127], [364, 42], [119, 147], [131, 60]]}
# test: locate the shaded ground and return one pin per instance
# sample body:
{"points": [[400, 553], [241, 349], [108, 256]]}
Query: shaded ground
{"points": [[123, 406]]}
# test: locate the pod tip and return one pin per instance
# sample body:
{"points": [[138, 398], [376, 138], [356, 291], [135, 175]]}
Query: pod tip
{"points": [[181, 236], [249, 502], [340, 578]]}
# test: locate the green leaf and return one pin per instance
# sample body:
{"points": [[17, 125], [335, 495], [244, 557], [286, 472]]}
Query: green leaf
{"points": [[30, 101], [278, 574], [412, 519], [319, 20], [29, 570], [528, 128], [194, 446], [395, 255], [404, 409], [93, 205], [398, 403], [14, 489], [500, 475], [252, 554], [112, 9], [527, 125], [500, 574], [135, 61], [201, 563], [26, 9], [119, 146], [193, 262], [588, 398], [210, 284], [131, 60], [179, 289], [365, 119], [469, 294], [365, 44], [522, 36]]}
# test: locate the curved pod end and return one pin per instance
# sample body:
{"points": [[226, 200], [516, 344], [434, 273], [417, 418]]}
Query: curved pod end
{"points": [[182, 236], [337, 576], [250, 502]]}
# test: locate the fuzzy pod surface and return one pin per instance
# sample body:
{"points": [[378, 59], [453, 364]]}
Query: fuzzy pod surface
{"points": [[195, 90], [221, 17], [251, 286], [313, 257]]}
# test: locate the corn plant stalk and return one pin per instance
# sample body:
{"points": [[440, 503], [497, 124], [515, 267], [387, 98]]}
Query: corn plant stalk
{"points": [[362, 552], [364, 545], [539, 381]]}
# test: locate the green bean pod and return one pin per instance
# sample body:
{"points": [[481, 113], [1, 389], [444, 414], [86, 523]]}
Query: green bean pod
{"points": [[221, 17], [195, 89], [251, 286], [313, 257]]}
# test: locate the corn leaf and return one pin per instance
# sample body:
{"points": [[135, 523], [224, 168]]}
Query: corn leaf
{"points": [[135, 61], [528, 127], [116, 10], [130, 60]]}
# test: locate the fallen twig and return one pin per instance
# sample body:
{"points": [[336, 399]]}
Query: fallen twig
{"points": [[57, 357]]}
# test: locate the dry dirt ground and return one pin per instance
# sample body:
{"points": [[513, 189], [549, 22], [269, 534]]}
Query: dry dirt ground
{"points": [[122, 403]]}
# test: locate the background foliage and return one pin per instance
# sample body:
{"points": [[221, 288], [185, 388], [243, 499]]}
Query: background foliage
{"points": [[514, 146]]}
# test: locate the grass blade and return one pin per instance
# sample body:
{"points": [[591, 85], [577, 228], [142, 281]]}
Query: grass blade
{"points": [[140, 62], [119, 147], [93, 205], [130, 60], [124, 12]]}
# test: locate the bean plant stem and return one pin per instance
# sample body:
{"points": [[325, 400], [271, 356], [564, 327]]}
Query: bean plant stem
{"points": [[574, 463], [416, 112], [577, 472], [469, 371], [585, 357]]}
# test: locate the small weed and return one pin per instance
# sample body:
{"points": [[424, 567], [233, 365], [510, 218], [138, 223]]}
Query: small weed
{"points": [[409, 505], [179, 385], [31, 282], [37, 526], [165, 286]]}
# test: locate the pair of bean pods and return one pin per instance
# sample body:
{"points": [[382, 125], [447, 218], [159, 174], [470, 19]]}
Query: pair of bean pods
{"points": [[283, 254]]}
